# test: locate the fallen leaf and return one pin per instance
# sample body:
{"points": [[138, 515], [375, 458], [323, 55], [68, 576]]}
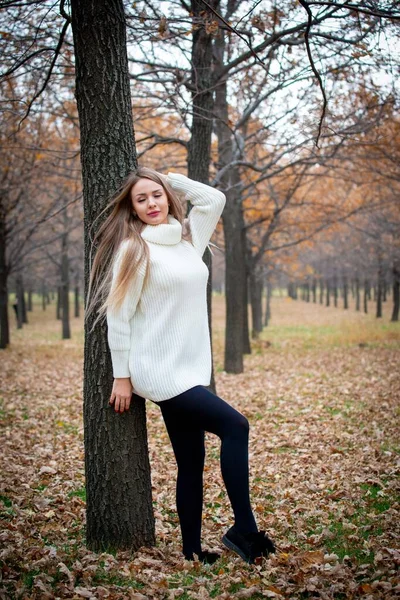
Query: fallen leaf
{"points": [[84, 592]]}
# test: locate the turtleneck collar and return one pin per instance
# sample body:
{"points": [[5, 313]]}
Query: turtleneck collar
{"points": [[167, 233]]}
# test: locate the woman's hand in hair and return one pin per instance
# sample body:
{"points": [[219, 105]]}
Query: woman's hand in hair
{"points": [[121, 394]]}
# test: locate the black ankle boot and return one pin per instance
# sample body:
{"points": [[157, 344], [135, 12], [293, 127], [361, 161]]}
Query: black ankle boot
{"points": [[248, 546]]}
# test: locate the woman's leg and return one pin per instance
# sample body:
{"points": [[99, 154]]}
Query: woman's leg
{"points": [[210, 413], [188, 444]]}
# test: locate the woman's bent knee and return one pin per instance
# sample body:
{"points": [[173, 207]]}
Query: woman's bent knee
{"points": [[239, 427], [244, 424]]}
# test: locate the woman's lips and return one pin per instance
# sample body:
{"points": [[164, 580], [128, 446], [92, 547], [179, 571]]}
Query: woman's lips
{"points": [[153, 214]]}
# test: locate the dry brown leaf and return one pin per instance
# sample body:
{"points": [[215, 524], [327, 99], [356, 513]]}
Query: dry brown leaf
{"points": [[137, 596], [307, 559]]}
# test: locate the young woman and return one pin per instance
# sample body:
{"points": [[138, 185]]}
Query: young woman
{"points": [[154, 298]]}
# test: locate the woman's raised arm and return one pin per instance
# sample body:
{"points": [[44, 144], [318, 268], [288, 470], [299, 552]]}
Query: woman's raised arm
{"points": [[207, 206]]}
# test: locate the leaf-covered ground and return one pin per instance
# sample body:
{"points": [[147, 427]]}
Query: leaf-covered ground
{"points": [[321, 391]]}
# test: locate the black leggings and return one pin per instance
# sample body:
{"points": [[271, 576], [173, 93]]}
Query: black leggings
{"points": [[187, 417]]}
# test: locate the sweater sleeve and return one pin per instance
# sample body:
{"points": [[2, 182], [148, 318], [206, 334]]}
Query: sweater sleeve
{"points": [[118, 321], [207, 206]]}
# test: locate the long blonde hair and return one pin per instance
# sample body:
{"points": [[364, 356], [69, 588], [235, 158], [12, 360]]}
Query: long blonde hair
{"points": [[122, 226]]}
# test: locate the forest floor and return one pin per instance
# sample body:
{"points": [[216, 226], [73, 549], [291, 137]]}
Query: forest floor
{"points": [[321, 390]]}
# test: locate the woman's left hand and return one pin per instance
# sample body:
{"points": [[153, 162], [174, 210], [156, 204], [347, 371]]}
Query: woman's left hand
{"points": [[121, 394]]}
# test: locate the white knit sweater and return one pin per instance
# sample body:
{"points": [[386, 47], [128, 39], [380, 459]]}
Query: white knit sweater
{"points": [[159, 338]]}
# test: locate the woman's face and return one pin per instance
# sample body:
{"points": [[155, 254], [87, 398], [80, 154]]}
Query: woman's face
{"points": [[150, 202]]}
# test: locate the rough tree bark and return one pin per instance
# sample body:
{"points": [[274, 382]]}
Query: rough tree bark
{"points": [[199, 146], [118, 485], [235, 250]]}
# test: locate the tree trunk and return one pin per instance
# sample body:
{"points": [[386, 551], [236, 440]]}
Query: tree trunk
{"points": [[314, 290], [345, 293], [19, 299], [321, 291], [246, 326], [66, 331], [366, 295], [357, 292], [246, 294], [235, 251], [44, 296], [235, 281], [77, 305], [396, 291], [30, 304], [379, 301], [4, 322], [256, 288], [335, 290], [59, 304], [328, 293], [268, 288], [24, 310], [379, 287], [118, 485], [199, 146]]}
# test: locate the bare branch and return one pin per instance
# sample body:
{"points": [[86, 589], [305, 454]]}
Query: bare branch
{"points": [[359, 9], [47, 79], [63, 12], [313, 67], [252, 52]]}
